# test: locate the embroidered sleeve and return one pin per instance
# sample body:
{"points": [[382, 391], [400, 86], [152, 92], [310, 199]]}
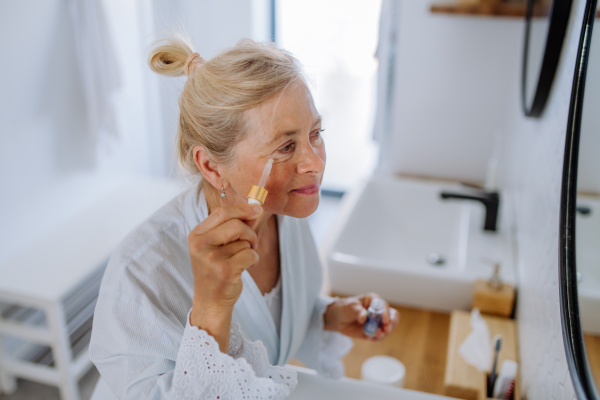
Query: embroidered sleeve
{"points": [[202, 371]]}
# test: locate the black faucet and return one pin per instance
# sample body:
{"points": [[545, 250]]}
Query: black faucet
{"points": [[491, 201]]}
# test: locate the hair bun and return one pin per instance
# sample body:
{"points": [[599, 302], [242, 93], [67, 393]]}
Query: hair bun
{"points": [[168, 56]]}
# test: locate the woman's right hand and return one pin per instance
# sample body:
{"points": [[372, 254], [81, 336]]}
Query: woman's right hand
{"points": [[221, 248]]}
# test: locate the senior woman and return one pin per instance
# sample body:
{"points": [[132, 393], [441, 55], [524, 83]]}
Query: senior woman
{"points": [[211, 297]]}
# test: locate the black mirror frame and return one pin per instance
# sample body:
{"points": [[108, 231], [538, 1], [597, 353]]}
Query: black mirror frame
{"points": [[559, 20], [581, 376]]}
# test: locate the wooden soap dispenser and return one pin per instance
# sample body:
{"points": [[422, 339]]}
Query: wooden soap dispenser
{"points": [[494, 297]]}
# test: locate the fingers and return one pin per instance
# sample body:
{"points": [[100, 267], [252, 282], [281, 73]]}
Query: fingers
{"points": [[366, 299], [254, 222], [351, 316], [359, 312], [225, 256], [354, 310], [244, 212], [389, 320], [386, 328], [244, 259], [230, 231], [385, 319], [231, 249]]}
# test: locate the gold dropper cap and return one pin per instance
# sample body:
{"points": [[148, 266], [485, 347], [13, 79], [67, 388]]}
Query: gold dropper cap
{"points": [[257, 193]]}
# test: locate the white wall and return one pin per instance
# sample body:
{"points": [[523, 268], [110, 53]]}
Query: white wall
{"points": [[335, 41], [532, 182], [50, 166], [211, 27], [451, 91]]}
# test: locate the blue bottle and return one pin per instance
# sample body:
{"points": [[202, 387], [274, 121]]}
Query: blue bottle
{"points": [[374, 317]]}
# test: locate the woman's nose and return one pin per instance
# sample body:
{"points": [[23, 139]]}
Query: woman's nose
{"points": [[313, 160]]}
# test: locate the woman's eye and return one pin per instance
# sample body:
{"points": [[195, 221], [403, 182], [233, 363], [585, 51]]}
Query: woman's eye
{"points": [[287, 149], [292, 146]]}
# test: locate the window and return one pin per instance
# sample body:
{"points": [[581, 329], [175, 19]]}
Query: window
{"points": [[335, 40]]}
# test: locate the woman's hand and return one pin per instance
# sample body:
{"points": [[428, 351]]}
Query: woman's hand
{"points": [[348, 316], [221, 248]]}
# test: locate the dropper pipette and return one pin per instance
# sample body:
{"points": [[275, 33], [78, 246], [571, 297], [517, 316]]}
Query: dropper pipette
{"points": [[258, 194], [265, 174]]}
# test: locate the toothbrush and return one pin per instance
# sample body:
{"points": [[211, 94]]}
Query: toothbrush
{"points": [[493, 375], [258, 194]]}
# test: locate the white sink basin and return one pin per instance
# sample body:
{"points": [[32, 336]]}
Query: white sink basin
{"points": [[314, 387], [588, 262], [387, 228]]}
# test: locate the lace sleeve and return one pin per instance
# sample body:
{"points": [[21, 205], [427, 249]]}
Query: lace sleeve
{"points": [[322, 350], [202, 371]]}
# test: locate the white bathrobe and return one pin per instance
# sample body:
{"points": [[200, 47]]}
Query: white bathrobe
{"points": [[142, 342]]}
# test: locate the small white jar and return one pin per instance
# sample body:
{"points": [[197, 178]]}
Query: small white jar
{"points": [[384, 369]]}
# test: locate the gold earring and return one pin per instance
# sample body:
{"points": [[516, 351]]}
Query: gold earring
{"points": [[223, 194]]}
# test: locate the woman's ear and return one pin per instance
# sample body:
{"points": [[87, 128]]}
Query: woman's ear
{"points": [[208, 169]]}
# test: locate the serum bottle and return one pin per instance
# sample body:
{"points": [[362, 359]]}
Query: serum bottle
{"points": [[374, 317]]}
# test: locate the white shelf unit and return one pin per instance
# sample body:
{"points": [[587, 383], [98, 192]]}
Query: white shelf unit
{"points": [[29, 344], [48, 294]]}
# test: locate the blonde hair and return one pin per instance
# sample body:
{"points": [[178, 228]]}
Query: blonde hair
{"points": [[218, 92]]}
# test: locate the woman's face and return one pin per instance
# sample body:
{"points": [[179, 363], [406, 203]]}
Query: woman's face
{"points": [[287, 129]]}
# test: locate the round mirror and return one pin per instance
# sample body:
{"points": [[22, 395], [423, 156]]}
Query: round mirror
{"points": [[545, 26], [580, 218]]}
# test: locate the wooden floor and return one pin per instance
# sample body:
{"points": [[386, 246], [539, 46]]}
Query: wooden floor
{"points": [[420, 341], [592, 347]]}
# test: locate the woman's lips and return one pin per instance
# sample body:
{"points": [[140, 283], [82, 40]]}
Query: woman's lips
{"points": [[311, 189]]}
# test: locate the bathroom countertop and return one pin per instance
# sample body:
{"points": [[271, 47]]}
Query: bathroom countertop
{"points": [[420, 342]]}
